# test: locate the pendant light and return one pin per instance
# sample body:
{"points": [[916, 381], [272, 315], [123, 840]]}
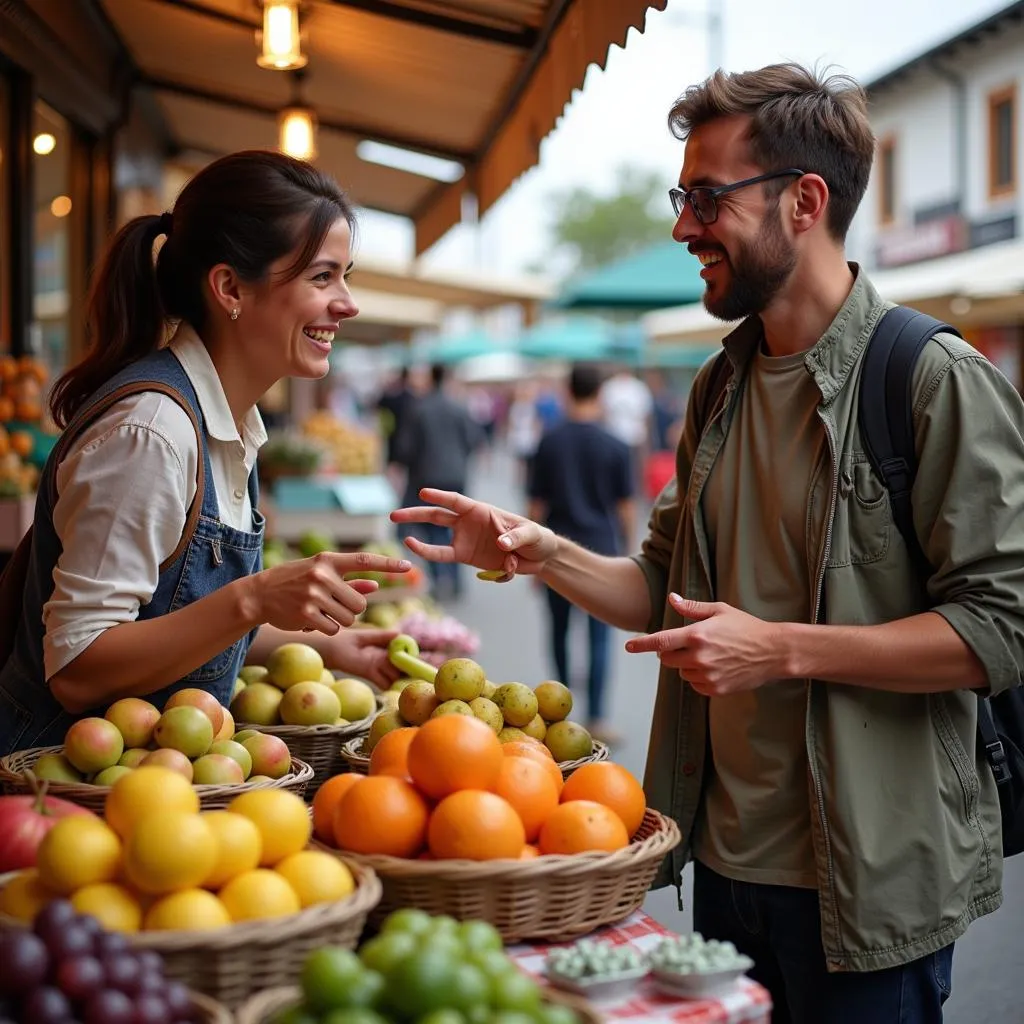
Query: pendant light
{"points": [[296, 125], [280, 41]]}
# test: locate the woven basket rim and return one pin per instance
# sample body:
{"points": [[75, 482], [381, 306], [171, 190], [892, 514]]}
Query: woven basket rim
{"points": [[256, 1008], [599, 753], [301, 772], [665, 837], [313, 731], [264, 931], [214, 1012]]}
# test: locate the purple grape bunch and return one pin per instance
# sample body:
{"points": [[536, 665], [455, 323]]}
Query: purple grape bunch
{"points": [[68, 970]]}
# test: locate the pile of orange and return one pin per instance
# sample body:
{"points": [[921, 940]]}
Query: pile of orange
{"points": [[450, 789]]}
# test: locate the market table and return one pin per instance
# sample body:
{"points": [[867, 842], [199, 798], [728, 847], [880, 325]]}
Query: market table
{"points": [[745, 1003]]}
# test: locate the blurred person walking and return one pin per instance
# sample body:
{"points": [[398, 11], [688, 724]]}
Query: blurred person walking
{"points": [[628, 408], [435, 443], [816, 726], [581, 486]]}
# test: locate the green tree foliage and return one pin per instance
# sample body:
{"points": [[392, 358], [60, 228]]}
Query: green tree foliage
{"points": [[592, 229]]}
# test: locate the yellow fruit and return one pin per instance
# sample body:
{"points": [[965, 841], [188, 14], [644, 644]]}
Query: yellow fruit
{"points": [[148, 789], [316, 877], [116, 908], [258, 894], [24, 896], [239, 846], [78, 851], [170, 852], [282, 818], [190, 910]]}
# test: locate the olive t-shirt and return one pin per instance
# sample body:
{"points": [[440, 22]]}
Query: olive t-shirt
{"points": [[755, 820]]}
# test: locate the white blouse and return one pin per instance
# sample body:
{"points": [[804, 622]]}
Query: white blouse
{"points": [[124, 490]]}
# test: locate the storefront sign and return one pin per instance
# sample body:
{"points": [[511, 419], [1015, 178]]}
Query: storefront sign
{"points": [[922, 241], [988, 232]]}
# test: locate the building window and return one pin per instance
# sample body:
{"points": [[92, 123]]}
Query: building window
{"points": [[887, 181], [1002, 142], [51, 170]]}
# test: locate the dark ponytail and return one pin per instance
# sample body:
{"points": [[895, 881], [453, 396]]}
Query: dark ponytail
{"points": [[247, 210], [124, 309]]}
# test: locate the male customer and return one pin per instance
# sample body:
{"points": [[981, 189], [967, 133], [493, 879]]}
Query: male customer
{"points": [[435, 442], [581, 487], [814, 731]]}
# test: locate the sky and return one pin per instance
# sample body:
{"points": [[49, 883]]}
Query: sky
{"points": [[619, 116]]}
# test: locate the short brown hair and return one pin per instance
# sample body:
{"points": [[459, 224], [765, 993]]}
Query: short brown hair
{"points": [[799, 118]]}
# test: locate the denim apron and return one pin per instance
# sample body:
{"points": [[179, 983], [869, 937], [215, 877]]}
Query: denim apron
{"points": [[210, 555]]}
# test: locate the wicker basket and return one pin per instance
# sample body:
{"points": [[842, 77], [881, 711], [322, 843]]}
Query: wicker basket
{"points": [[210, 1011], [259, 1008], [356, 761], [14, 781], [316, 745], [230, 964], [555, 898]]}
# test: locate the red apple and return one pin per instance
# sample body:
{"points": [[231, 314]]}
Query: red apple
{"points": [[24, 820]]}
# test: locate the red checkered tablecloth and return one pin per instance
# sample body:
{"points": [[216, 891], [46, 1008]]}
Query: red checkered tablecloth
{"points": [[746, 1003]]}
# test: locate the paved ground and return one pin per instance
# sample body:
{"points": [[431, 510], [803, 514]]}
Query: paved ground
{"points": [[988, 981]]}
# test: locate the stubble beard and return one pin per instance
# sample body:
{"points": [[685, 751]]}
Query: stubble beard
{"points": [[759, 271]]}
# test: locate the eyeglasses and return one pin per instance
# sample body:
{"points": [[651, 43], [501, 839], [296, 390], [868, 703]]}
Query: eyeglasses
{"points": [[703, 200]]}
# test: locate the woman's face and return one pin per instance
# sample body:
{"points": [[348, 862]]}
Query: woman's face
{"points": [[291, 325]]}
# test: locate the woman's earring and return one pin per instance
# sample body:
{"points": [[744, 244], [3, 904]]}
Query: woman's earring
{"points": [[235, 313]]}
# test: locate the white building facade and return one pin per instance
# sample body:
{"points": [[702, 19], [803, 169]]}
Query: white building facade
{"points": [[941, 226]]}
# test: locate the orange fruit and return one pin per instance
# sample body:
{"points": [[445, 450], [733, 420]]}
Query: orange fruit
{"points": [[534, 753], [528, 787], [452, 753], [474, 825], [609, 784], [515, 747], [326, 801], [390, 755], [383, 814], [582, 825], [529, 852]]}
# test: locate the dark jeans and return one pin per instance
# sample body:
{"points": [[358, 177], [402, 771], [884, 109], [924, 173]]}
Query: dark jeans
{"points": [[779, 928], [447, 573], [561, 611]]}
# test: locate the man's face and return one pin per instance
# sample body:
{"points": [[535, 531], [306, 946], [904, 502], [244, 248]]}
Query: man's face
{"points": [[746, 255]]}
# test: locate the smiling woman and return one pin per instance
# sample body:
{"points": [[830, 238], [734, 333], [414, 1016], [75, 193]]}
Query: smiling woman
{"points": [[144, 570]]}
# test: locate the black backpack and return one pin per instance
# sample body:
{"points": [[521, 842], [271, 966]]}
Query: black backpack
{"points": [[885, 418], [887, 429]]}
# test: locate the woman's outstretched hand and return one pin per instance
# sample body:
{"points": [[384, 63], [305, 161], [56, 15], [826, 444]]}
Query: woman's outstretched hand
{"points": [[482, 535], [312, 593]]}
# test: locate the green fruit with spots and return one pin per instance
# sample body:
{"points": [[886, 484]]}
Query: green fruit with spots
{"points": [[517, 702], [459, 679]]}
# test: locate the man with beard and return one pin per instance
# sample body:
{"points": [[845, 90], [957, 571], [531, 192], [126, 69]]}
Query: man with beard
{"points": [[814, 732]]}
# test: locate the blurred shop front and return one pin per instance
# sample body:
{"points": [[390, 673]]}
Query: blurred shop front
{"points": [[72, 150]]}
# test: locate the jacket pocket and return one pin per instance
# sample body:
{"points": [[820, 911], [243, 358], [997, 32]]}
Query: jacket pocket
{"points": [[863, 520], [961, 790]]}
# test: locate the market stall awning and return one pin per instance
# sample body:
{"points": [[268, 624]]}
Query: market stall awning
{"points": [[476, 82], [661, 275]]}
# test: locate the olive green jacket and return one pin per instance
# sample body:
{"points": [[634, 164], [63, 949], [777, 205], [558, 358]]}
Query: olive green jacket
{"points": [[904, 810]]}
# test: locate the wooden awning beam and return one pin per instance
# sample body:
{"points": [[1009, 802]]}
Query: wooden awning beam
{"points": [[258, 106]]}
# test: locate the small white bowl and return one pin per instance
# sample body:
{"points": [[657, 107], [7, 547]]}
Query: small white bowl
{"points": [[698, 984], [598, 987]]}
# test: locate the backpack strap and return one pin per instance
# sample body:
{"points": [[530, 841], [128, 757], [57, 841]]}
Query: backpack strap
{"points": [[885, 416], [885, 412]]}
